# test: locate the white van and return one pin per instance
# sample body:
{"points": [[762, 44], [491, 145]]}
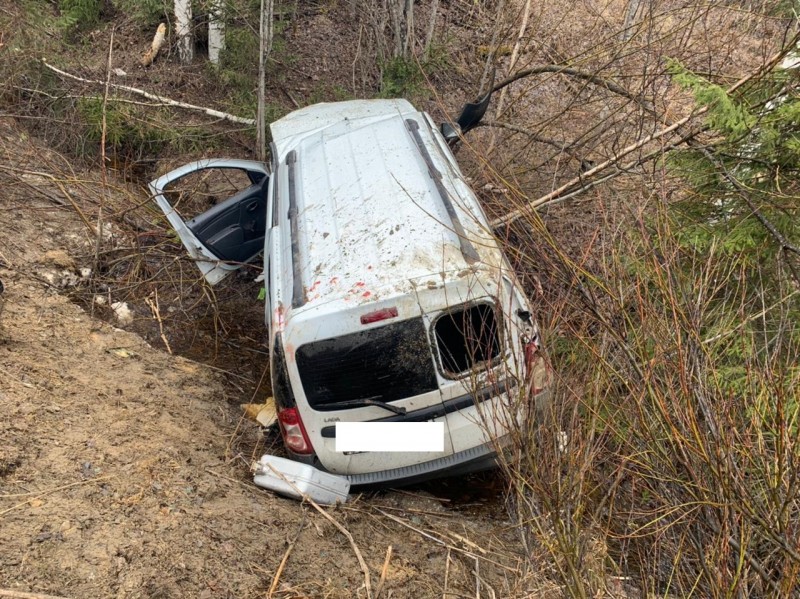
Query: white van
{"points": [[388, 298]]}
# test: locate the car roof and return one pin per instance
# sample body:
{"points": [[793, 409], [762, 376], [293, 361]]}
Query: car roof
{"points": [[371, 220]]}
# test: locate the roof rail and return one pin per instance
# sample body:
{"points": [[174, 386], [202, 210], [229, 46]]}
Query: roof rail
{"points": [[467, 249], [298, 297]]}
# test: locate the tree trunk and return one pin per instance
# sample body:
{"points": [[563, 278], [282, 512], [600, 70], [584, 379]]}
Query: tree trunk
{"points": [[265, 31], [402, 13], [408, 12], [431, 28], [630, 15], [183, 27], [216, 30]]}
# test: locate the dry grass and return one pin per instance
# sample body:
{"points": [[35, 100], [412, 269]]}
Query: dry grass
{"points": [[677, 392]]}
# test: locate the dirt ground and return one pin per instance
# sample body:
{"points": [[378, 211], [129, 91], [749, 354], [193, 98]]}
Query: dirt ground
{"points": [[124, 470]]}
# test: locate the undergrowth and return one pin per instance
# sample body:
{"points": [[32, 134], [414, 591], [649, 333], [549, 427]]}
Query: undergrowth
{"points": [[679, 396]]}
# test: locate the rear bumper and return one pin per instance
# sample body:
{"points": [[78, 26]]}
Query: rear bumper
{"points": [[481, 457]]}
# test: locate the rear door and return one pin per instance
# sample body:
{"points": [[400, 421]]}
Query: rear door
{"points": [[357, 360], [218, 208]]}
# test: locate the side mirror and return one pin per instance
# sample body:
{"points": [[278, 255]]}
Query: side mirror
{"points": [[470, 116]]}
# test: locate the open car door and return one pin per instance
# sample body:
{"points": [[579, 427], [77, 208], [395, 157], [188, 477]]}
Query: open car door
{"points": [[232, 231]]}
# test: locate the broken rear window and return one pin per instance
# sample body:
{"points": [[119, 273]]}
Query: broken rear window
{"points": [[467, 338], [386, 363]]}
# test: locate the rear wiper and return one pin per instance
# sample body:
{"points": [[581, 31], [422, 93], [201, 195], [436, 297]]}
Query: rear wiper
{"points": [[360, 403]]}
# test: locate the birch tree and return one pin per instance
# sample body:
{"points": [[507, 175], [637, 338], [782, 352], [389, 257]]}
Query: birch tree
{"points": [[183, 27], [402, 13], [216, 30], [265, 46]]}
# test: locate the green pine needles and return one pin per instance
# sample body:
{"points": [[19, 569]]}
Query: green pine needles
{"points": [[79, 14]]}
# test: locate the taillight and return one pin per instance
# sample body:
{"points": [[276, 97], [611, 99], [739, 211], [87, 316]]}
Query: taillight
{"points": [[536, 369], [293, 432]]}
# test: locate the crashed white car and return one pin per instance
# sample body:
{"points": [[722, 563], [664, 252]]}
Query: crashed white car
{"points": [[388, 298]]}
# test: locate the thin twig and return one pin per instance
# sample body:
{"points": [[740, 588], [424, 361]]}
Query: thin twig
{"points": [[51, 491], [446, 573], [439, 541], [339, 527], [153, 303], [104, 178], [21, 595], [384, 571], [477, 579], [285, 558]]}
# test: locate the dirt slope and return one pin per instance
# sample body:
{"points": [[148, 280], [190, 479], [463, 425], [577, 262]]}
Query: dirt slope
{"points": [[124, 470]]}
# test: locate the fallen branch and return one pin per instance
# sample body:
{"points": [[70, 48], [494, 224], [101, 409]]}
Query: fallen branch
{"points": [[153, 304], [556, 193], [339, 527], [446, 573], [276, 579], [50, 492], [350, 538], [133, 90], [444, 543]]}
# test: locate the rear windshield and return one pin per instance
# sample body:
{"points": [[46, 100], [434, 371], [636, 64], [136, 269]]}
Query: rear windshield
{"points": [[386, 363]]}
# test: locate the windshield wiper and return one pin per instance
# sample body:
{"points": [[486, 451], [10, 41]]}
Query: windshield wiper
{"points": [[360, 403]]}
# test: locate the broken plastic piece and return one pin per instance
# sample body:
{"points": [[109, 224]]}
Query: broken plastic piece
{"points": [[296, 480]]}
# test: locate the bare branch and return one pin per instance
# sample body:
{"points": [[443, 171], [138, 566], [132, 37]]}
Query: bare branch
{"points": [[209, 111], [532, 134], [557, 193], [571, 72], [569, 186]]}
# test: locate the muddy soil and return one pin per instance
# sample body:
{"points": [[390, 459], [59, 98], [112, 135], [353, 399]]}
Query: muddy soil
{"points": [[124, 469]]}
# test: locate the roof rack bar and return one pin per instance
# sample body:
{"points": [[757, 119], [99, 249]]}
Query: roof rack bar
{"points": [[467, 249], [298, 297]]}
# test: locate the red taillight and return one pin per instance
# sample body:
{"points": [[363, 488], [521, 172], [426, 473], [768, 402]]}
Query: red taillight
{"points": [[384, 314], [536, 368], [293, 432], [531, 354]]}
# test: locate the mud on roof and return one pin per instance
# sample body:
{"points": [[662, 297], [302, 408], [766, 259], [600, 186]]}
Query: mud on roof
{"points": [[370, 208]]}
